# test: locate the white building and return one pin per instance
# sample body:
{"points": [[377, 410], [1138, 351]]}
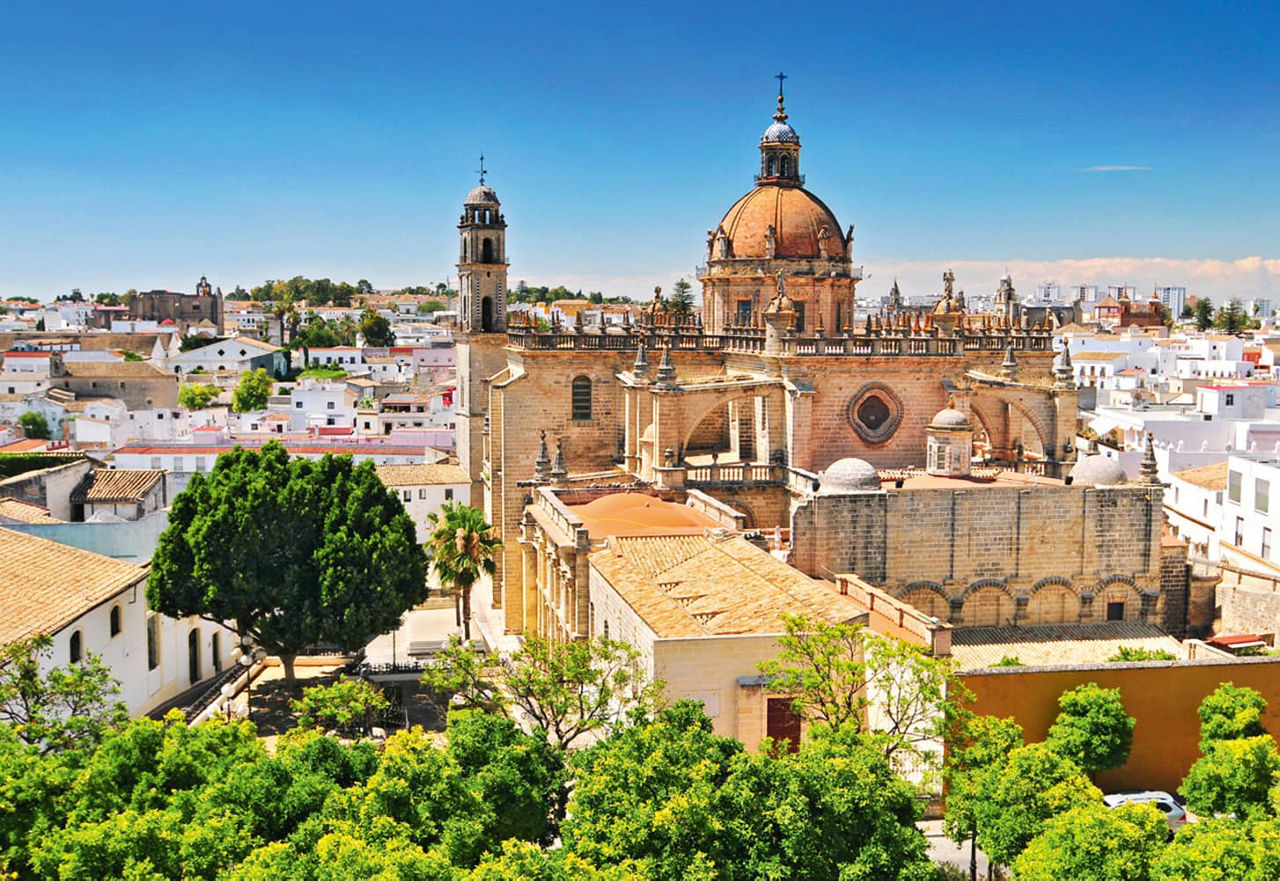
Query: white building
{"points": [[424, 488], [1173, 296], [315, 403], [232, 356], [88, 603]]}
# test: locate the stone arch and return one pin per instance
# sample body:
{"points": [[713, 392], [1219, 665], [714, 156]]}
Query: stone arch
{"points": [[1117, 598], [988, 603], [694, 420], [1053, 600], [928, 598], [745, 510], [981, 401]]}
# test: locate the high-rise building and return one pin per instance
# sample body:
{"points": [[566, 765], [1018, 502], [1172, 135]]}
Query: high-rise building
{"points": [[1173, 296]]}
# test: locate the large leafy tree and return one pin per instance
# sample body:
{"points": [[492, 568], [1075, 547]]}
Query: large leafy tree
{"points": [[681, 300], [1092, 729], [60, 709], [462, 546], [1230, 713], [1204, 313], [195, 396], [252, 391], [1222, 849], [295, 552], [1096, 842], [34, 425], [1033, 784], [980, 746], [1235, 777], [376, 329]]}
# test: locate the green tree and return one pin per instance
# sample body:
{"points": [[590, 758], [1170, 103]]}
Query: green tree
{"points": [[1232, 318], [1096, 842], [347, 705], [295, 552], [681, 300], [1187, 312], [1204, 313], [1093, 730], [1129, 654], [1221, 849], [1018, 797], [461, 547], [981, 745], [34, 425], [1230, 713], [67, 707], [195, 396], [376, 329], [1234, 777], [252, 391]]}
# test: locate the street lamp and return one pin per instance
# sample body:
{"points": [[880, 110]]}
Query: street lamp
{"points": [[228, 698], [248, 656]]}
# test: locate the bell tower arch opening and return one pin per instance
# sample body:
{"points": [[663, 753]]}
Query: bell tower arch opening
{"points": [[482, 270]]}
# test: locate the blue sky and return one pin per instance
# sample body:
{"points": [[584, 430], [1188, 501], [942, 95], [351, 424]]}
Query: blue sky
{"points": [[144, 145]]}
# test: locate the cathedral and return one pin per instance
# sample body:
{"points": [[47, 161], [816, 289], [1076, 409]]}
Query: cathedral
{"points": [[779, 413]]}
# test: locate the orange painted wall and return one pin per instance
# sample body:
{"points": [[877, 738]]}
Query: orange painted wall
{"points": [[1162, 697]]}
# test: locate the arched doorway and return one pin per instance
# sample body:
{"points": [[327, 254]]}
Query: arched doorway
{"points": [[193, 655], [486, 314], [486, 251]]}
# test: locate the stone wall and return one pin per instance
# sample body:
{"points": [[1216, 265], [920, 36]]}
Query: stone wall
{"points": [[1247, 604], [49, 487]]}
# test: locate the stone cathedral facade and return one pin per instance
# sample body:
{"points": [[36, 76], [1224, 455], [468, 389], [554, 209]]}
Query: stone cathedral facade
{"points": [[771, 398]]}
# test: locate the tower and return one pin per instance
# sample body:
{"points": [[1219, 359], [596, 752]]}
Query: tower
{"points": [[482, 261]]}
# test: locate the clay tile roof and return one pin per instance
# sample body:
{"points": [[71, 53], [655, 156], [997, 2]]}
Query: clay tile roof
{"points": [[44, 586], [421, 475], [24, 445], [116, 369], [115, 485], [691, 586], [1212, 477], [16, 510], [1097, 356], [1051, 645]]}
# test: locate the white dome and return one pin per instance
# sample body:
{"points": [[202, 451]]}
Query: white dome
{"points": [[848, 476], [1097, 471], [951, 418]]}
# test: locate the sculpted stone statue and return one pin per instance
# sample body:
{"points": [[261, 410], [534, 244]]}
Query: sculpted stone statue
{"points": [[949, 283], [770, 241]]}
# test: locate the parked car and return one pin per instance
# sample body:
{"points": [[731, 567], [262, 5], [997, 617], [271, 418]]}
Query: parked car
{"points": [[1175, 814]]}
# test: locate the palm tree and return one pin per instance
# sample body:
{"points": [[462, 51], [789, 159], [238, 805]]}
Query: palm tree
{"points": [[462, 547]]}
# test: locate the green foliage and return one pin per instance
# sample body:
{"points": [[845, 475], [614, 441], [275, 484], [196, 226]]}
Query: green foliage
{"points": [[194, 396], [346, 705], [1220, 849], [66, 708], [12, 464], [429, 306], [681, 300], [191, 342], [980, 746], [130, 355], [1017, 797], [1093, 730], [323, 373], [1232, 318], [564, 690], [34, 425], [1204, 314], [1230, 713], [1235, 777], [830, 669], [1008, 661], [1096, 842], [295, 552], [1129, 654], [462, 546], [685, 803], [521, 861], [376, 329], [252, 391]]}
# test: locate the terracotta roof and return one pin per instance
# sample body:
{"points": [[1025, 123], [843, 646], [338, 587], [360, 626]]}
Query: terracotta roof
{"points": [[115, 485], [44, 586], [1212, 477], [978, 647], [796, 215], [1098, 356], [631, 514], [117, 369], [422, 475], [16, 510], [691, 586], [25, 445]]}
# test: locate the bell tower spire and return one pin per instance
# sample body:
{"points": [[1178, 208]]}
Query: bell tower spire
{"points": [[780, 149], [482, 260]]}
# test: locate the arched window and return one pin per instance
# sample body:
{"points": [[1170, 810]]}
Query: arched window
{"points": [[486, 251], [606, 629], [215, 653], [76, 649], [115, 620], [581, 398], [773, 167], [786, 166]]}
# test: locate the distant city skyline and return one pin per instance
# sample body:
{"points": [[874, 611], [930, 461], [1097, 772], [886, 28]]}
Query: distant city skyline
{"points": [[148, 145]]}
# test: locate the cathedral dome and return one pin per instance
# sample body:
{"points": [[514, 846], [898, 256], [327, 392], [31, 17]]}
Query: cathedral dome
{"points": [[1097, 470], [780, 132], [796, 215], [849, 476], [951, 418], [481, 195]]}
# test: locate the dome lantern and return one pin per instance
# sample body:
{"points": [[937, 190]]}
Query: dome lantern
{"points": [[780, 149]]}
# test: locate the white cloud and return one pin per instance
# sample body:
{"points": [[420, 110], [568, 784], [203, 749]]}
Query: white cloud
{"points": [[1217, 279], [1106, 168]]}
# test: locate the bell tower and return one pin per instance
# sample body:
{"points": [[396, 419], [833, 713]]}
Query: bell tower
{"points": [[482, 261]]}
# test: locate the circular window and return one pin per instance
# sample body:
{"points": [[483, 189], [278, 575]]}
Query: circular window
{"points": [[875, 412]]}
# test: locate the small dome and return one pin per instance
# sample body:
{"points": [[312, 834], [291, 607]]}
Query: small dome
{"points": [[849, 476], [780, 133], [481, 195], [951, 418], [1097, 471]]}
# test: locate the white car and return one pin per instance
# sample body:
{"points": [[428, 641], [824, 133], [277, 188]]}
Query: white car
{"points": [[1175, 814]]}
